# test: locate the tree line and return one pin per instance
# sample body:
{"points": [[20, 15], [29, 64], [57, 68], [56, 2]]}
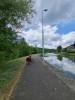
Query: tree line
{"points": [[12, 13]]}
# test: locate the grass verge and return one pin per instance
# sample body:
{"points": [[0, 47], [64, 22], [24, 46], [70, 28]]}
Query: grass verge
{"points": [[71, 56], [8, 72]]}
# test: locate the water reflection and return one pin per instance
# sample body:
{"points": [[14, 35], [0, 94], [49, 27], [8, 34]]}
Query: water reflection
{"points": [[62, 63], [59, 57]]}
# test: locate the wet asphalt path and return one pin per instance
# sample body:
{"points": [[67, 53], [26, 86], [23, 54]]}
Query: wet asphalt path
{"points": [[37, 82]]}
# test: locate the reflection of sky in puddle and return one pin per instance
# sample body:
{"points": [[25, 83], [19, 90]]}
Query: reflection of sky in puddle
{"points": [[65, 64]]}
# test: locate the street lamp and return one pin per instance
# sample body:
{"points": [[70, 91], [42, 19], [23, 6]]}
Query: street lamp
{"points": [[43, 33]]}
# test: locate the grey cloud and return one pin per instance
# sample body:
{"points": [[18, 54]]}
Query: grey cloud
{"points": [[58, 10]]}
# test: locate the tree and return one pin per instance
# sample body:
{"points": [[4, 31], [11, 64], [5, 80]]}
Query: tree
{"points": [[7, 38], [14, 11], [59, 48], [23, 47], [65, 49], [74, 44]]}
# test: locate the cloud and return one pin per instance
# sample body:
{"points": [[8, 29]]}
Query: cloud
{"points": [[58, 10], [68, 39], [51, 37]]}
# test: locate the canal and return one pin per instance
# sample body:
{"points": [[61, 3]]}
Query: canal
{"points": [[63, 64]]}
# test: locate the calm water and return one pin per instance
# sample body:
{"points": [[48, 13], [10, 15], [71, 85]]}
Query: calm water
{"points": [[63, 64]]}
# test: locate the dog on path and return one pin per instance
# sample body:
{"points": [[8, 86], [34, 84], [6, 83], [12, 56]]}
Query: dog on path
{"points": [[28, 60]]}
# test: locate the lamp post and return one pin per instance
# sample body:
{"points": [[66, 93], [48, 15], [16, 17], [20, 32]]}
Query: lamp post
{"points": [[43, 32]]}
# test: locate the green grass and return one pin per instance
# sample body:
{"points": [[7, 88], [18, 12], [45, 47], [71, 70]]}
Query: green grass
{"points": [[8, 71], [71, 56]]}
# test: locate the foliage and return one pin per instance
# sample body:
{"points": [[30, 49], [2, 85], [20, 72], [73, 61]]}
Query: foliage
{"points": [[7, 42], [14, 11], [7, 39], [59, 48], [8, 71], [23, 48], [69, 55], [65, 50]]}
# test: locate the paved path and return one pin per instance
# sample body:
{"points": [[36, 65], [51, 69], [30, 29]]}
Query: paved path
{"points": [[39, 83]]}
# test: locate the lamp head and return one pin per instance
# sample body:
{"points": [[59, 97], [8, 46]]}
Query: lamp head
{"points": [[45, 9]]}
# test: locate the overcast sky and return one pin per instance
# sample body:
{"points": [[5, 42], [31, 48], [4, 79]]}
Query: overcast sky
{"points": [[59, 24]]}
